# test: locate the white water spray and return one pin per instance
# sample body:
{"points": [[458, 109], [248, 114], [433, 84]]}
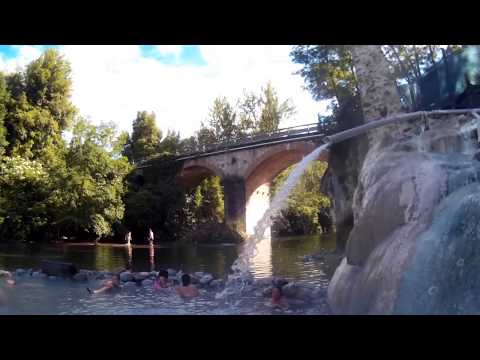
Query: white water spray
{"points": [[241, 266]]}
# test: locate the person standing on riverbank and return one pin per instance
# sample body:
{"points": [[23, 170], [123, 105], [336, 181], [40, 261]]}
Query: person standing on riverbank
{"points": [[150, 237]]}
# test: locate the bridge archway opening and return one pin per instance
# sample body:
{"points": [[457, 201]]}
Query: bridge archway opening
{"points": [[204, 194], [260, 179]]}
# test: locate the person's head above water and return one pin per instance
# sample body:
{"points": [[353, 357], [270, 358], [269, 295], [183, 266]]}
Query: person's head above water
{"points": [[162, 273], [276, 293], [116, 279], [186, 279]]}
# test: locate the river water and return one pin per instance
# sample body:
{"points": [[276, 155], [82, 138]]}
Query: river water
{"points": [[277, 257]]}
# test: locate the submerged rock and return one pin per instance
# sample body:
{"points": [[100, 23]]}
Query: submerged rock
{"points": [[147, 282], [126, 276], [140, 276], [129, 284], [206, 279], [268, 281], [38, 274], [80, 277], [217, 283], [171, 272], [280, 281]]}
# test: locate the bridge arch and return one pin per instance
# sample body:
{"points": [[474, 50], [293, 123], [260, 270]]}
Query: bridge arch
{"points": [[274, 160], [266, 168], [193, 172]]}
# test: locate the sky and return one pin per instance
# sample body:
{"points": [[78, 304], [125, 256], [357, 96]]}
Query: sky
{"points": [[177, 82]]}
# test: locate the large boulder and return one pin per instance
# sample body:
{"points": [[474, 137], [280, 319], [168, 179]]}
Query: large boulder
{"points": [[415, 245]]}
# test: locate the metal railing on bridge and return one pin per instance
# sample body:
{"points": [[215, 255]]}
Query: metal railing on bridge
{"points": [[292, 133]]}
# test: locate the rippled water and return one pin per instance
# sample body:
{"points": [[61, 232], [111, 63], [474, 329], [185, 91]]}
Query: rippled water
{"points": [[283, 257]]}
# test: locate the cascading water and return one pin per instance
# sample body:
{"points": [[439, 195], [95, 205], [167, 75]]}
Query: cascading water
{"points": [[240, 277]]}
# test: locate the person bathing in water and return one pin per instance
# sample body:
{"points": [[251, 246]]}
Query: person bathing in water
{"points": [[187, 290], [109, 285], [7, 275], [161, 281], [278, 301]]}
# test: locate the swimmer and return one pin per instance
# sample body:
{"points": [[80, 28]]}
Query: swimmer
{"points": [[7, 275], [187, 290], [161, 281], [109, 285], [278, 301]]}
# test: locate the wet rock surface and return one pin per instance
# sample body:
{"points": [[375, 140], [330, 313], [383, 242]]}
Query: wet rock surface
{"points": [[415, 206]]}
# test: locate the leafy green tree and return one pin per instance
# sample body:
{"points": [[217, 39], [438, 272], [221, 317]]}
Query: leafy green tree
{"points": [[222, 120], [300, 217], [272, 112], [171, 144], [88, 197], [24, 190], [156, 200], [145, 137], [4, 98], [206, 201], [48, 85], [39, 107]]}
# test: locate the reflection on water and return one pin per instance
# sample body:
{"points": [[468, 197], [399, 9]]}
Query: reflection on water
{"points": [[279, 257], [261, 263]]}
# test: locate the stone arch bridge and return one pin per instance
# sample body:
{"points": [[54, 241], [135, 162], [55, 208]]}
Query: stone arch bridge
{"points": [[247, 168]]}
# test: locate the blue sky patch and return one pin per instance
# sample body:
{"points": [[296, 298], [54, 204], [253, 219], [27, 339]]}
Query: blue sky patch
{"points": [[12, 51], [189, 55]]}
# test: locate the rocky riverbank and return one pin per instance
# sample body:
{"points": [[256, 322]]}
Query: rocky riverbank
{"points": [[415, 244]]}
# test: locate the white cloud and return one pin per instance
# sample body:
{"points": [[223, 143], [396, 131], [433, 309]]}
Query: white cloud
{"points": [[26, 53], [112, 83]]}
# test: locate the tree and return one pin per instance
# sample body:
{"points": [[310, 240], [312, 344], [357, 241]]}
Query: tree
{"points": [[205, 202], [39, 107], [272, 112], [145, 137], [327, 70], [88, 196], [4, 98], [48, 85], [222, 120], [301, 215], [156, 200], [171, 144]]}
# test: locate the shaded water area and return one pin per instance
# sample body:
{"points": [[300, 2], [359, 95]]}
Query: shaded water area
{"points": [[279, 257]]}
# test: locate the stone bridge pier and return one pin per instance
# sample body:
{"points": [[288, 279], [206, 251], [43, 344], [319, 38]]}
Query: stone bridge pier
{"points": [[245, 176]]}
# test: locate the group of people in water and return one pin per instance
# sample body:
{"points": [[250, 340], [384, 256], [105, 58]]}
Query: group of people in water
{"points": [[185, 290], [161, 284]]}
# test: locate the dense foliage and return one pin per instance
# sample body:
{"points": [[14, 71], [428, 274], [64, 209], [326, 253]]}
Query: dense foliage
{"points": [[329, 74], [48, 188], [302, 215]]}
